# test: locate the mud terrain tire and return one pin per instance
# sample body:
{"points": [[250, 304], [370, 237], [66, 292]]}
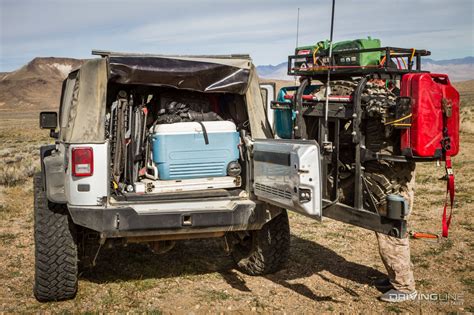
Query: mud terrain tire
{"points": [[56, 268], [264, 251]]}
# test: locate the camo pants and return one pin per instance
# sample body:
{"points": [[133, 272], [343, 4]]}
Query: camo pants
{"points": [[395, 253]]}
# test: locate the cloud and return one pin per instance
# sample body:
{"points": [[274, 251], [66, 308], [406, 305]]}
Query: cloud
{"points": [[264, 29]]}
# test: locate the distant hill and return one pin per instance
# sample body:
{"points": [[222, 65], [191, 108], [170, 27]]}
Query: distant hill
{"points": [[465, 87], [458, 69], [461, 69], [35, 86], [278, 72], [459, 61]]}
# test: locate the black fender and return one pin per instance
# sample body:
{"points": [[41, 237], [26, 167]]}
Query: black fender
{"points": [[45, 150]]}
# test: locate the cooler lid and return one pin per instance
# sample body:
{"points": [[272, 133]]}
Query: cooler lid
{"points": [[194, 127]]}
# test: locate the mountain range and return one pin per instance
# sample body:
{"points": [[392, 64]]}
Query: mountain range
{"points": [[37, 85]]}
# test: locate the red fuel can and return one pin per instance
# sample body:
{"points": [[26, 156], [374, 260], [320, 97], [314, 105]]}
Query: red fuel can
{"points": [[435, 116]]}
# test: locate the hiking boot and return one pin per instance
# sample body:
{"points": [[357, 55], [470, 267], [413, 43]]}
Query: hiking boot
{"points": [[395, 296], [383, 285]]}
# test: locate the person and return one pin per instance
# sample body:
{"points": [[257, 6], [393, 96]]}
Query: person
{"points": [[399, 285]]}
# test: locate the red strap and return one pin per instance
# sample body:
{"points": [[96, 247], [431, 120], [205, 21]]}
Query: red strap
{"points": [[449, 190]]}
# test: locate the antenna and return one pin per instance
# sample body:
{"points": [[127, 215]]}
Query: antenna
{"points": [[297, 26], [326, 144], [297, 34]]}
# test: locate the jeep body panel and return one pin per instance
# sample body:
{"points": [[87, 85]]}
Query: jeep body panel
{"points": [[82, 122], [91, 190]]}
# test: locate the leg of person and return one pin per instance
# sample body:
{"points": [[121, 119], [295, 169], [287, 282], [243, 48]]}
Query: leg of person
{"points": [[395, 253]]}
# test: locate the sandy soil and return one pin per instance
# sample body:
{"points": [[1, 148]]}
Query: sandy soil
{"points": [[332, 265]]}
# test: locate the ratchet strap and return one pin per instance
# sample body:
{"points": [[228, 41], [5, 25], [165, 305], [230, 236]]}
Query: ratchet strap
{"points": [[446, 221], [446, 146]]}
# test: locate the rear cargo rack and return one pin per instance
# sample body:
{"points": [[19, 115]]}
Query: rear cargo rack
{"points": [[304, 64]]}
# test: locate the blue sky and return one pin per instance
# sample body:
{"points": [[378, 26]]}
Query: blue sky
{"points": [[264, 29]]}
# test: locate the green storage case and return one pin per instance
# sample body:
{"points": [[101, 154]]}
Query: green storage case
{"points": [[357, 59], [341, 58]]}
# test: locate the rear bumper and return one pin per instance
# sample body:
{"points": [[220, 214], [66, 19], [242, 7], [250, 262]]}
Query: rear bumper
{"points": [[133, 220]]}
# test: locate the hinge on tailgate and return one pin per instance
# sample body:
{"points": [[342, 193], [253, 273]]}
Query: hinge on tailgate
{"points": [[102, 201]]}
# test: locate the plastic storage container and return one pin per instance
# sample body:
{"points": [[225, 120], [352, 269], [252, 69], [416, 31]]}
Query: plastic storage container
{"points": [[180, 151], [283, 117]]}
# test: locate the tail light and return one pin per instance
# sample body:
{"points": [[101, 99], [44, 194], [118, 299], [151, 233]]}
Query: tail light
{"points": [[82, 162]]}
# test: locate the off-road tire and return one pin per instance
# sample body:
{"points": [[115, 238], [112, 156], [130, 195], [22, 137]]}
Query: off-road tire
{"points": [[56, 268], [267, 250], [386, 178]]}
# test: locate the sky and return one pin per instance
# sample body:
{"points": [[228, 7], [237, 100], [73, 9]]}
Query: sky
{"points": [[264, 29]]}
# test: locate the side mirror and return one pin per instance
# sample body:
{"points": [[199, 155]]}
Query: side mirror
{"points": [[48, 120]]}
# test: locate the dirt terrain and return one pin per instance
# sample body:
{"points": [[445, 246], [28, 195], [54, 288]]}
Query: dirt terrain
{"points": [[331, 268]]}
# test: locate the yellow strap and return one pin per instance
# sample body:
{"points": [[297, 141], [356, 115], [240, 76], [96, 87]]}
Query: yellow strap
{"points": [[402, 125], [314, 56], [412, 54], [398, 120], [404, 62]]}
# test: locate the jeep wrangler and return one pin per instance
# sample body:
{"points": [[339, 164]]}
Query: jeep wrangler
{"points": [[158, 149]]}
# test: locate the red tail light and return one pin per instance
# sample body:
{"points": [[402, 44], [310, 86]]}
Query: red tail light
{"points": [[82, 162]]}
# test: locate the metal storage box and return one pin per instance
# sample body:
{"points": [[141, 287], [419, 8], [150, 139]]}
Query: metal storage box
{"points": [[180, 150]]}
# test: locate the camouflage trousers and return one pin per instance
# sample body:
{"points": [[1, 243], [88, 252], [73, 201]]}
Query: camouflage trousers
{"points": [[395, 253]]}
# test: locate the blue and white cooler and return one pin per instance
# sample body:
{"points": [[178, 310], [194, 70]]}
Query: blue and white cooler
{"points": [[188, 150]]}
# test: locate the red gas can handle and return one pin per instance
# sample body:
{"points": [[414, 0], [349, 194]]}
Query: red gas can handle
{"points": [[441, 76]]}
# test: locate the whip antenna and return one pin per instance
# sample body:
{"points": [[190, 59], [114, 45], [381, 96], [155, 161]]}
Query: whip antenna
{"points": [[297, 32], [326, 144], [297, 26]]}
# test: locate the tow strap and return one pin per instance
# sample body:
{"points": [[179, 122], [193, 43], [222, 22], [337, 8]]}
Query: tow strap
{"points": [[446, 146], [449, 191]]}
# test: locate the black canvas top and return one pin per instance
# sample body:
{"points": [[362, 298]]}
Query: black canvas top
{"points": [[184, 73]]}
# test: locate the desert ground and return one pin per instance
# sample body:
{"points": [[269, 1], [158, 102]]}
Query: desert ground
{"points": [[331, 268]]}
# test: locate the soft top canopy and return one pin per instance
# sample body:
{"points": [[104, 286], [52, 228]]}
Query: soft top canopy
{"points": [[227, 74], [86, 107]]}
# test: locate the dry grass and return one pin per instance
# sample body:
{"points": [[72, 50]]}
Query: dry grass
{"points": [[19, 149], [331, 268], [18, 164]]}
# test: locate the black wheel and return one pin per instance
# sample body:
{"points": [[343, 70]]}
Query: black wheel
{"points": [[264, 251], [55, 249]]}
